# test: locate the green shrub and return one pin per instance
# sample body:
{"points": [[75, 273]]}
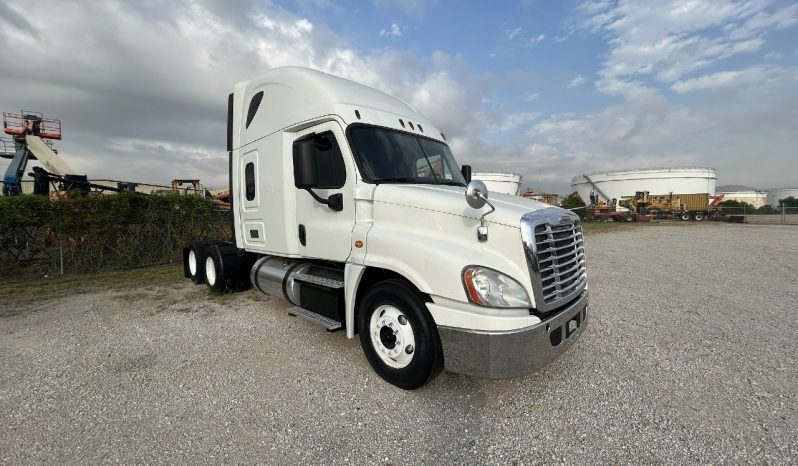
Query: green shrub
{"points": [[95, 233]]}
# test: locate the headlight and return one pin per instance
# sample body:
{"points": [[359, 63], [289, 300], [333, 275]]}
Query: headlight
{"points": [[488, 287]]}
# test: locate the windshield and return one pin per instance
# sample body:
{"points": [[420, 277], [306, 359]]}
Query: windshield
{"points": [[388, 156]]}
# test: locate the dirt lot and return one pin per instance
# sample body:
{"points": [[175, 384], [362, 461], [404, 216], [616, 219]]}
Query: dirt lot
{"points": [[690, 357]]}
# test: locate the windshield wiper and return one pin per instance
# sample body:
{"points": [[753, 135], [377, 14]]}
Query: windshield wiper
{"points": [[399, 179], [414, 179]]}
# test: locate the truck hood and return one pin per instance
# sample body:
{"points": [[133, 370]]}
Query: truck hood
{"points": [[451, 200]]}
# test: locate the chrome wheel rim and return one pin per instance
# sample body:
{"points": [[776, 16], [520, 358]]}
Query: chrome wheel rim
{"points": [[192, 263], [210, 271], [392, 336]]}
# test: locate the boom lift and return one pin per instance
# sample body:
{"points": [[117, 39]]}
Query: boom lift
{"points": [[32, 135]]}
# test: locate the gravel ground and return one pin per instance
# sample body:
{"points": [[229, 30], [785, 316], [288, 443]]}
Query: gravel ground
{"points": [[690, 357]]}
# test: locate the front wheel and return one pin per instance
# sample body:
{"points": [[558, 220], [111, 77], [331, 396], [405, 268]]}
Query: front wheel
{"points": [[398, 335]]}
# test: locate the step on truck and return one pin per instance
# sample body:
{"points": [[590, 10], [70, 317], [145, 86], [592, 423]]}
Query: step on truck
{"points": [[348, 203]]}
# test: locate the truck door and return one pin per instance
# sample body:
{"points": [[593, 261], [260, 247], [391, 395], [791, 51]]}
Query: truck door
{"points": [[249, 203], [324, 233]]}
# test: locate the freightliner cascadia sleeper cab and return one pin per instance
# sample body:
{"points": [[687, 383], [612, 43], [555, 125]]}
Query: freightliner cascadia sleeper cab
{"points": [[348, 203]]}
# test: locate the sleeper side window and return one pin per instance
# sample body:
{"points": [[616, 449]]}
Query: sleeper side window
{"points": [[249, 180], [254, 104]]}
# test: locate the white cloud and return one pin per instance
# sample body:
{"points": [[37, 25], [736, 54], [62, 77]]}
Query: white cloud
{"points": [[670, 39], [409, 7], [394, 30], [773, 56], [536, 40], [751, 120], [514, 121], [577, 81], [662, 45], [764, 20], [449, 101], [515, 33], [563, 38], [640, 133], [512, 33], [759, 76], [712, 81], [141, 91], [530, 96], [657, 47]]}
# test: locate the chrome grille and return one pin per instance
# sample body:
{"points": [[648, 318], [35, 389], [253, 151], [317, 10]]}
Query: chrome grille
{"points": [[561, 257], [556, 255]]}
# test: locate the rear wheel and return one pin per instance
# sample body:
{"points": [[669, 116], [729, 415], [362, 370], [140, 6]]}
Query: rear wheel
{"points": [[214, 277], [685, 216], [398, 335], [698, 216]]}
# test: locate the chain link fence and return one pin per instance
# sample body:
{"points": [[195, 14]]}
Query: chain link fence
{"points": [[87, 237], [783, 216]]}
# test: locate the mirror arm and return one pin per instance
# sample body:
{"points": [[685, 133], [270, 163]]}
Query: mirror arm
{"points": [[492, 209], [334, 202], [316, 196]]}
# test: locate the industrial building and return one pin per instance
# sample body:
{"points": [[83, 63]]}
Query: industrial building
{"points": [[609, 185], [548, 198]]}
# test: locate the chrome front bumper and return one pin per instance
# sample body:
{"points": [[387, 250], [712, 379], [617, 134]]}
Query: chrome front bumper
{"points": [[499, 355]]}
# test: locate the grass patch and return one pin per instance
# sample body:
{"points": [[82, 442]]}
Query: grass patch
{"points": [[221, 298], [157, 275]]}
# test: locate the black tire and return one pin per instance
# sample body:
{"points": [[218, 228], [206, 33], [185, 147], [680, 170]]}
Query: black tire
{"points": [[698, 217], [427, 355], [630, 217], [198, 248], [685, 216]]}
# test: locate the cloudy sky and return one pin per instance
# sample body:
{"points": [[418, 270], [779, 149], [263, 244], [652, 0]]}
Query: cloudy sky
{"points": [[547, 89]]}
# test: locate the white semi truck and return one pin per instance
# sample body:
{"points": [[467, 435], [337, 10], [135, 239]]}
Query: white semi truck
{"points": [[348, 203]]}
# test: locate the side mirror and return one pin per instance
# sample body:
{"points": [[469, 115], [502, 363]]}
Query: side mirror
{"points": [[466, 171], [476, 194], [477, 197], [305, 176]]}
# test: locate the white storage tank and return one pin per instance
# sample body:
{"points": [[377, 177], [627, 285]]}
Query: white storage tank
{"points": [[755, 198], [619, 183], [505, 183], [775, 195]]}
